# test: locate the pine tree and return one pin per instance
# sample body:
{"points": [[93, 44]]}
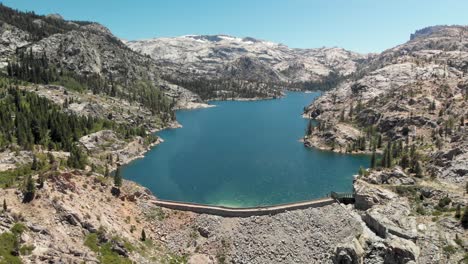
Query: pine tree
{"points": [[30, 189], [458, 212], [383, 161], [418, 170], [143, 235], [118, 178], [464, 219], [106, 172], [404, 163], [432, 107], [77, 158], [389, 160], [379, 141], [373, 157], [34, 165]]}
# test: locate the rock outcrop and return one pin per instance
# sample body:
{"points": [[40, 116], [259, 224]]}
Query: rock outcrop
{"points": [[411, 100]]}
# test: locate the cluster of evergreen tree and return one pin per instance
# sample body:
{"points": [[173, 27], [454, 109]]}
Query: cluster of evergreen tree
{"points": [[36, 69], [329, 82], [209, 89], [28, 119], [371, 140], [396, 153], [26, 22], [77, 159]]}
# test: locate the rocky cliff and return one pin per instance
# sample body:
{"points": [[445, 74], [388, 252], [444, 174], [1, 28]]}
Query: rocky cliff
{"points": [[407, 106]]}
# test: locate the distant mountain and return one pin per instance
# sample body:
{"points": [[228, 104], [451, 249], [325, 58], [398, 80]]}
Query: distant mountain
{"points": [[222, 56]]}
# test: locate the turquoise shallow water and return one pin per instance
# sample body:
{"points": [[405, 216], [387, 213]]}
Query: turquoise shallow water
{"points": [[243, 154]]}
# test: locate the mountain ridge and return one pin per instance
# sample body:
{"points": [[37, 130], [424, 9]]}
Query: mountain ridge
{"points": [[214, 56], [60, 203]]}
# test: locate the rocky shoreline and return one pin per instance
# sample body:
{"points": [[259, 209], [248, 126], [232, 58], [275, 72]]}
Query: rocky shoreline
{"points": [[413, 114]]}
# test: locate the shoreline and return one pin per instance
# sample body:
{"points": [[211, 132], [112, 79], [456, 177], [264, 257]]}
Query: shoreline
{"points": [[192, 106], [324, 147], [172, 125], [244, 99]]}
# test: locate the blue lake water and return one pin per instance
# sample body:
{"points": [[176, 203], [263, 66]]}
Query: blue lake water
{"points": [[243, 154]]}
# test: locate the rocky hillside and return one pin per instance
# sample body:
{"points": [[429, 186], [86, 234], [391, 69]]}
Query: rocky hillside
{"points": [[221, 57], [74, 217], [86, 52], [75, 103], [407, 106]]}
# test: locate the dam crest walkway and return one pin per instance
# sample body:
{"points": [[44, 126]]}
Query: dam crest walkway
{"points": [[250, 211]]}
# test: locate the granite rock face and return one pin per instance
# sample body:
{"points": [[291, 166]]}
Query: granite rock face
{"points": [[220, 56], [414, 94]]}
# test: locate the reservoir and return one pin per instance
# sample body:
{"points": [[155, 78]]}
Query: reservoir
{"points": [[242, 154]]}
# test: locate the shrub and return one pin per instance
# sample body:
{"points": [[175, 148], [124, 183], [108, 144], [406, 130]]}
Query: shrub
{"points": [[420, 210], [18, 229], [444, 202], [449, 250]]}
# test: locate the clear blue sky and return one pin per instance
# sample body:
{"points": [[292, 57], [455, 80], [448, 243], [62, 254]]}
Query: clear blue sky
{"points": [[358, 25]]}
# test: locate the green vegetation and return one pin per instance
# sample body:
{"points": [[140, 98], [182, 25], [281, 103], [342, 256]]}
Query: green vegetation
{"points": [[91, 241], [34, 68], [209, 89], [28, 120], [18, 229], [387, 159], [37, 121], [155, 214], [175, 259], [11, 177], [464, 219], [38, 68], [443, 203], [104, 249], [449, 250], [331, 81], [458, 212], [373, 160], [118, 178], [362, 171], [465, 257], [17, 177], [77, 159], [29, 190], [9, 249], [26, 249], [420, 210], [10, 245], [25, 21]]}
